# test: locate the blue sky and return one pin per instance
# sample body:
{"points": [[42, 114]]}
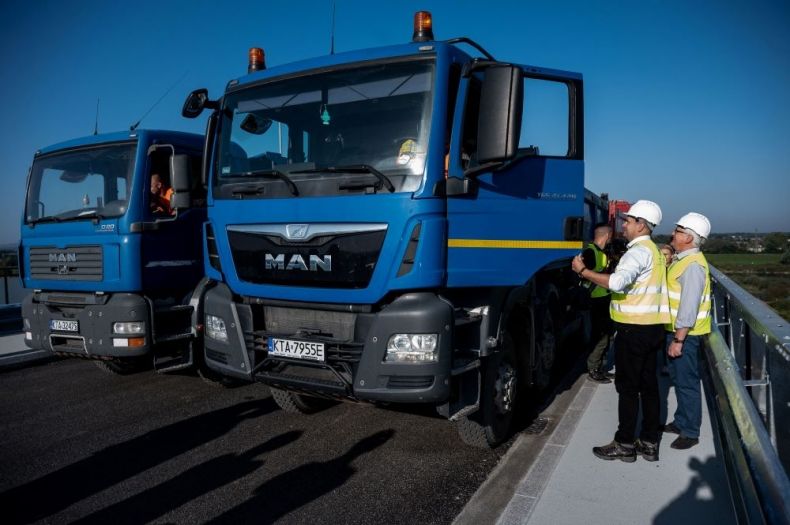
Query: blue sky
{"points": [[685, 101]]}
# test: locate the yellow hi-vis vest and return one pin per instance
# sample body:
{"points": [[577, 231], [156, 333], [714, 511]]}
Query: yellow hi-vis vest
{"points": [[600, 265], [644, 302], [702, 325]]}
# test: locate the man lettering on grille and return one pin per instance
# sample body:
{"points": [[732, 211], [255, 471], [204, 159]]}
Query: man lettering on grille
{"points": [[640, 309], [688, 280]]}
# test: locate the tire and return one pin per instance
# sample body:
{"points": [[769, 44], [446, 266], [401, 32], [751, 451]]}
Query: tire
{"points": [[546, 341], [298, 403], [490, 425], [123, 367]]}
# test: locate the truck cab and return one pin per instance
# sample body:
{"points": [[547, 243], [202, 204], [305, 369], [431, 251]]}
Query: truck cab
{"points": [[394, 225], [107, 268]]}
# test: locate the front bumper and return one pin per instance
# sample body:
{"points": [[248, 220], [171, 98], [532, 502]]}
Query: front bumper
{"points": [[95, 315], [354, 367]]}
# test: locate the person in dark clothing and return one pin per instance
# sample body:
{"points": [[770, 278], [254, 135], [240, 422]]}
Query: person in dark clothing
{"points": [[595, 259]]}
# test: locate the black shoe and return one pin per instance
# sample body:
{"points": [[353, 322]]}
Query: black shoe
{"points": [[598, 377], [682, 443], [615, 450], [648, 451], [671, 428], [610, 375]]}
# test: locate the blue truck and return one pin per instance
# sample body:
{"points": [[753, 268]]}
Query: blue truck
{"points": [[109, 273], [395, 225]]}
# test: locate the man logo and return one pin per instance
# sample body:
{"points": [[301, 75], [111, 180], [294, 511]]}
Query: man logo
{"points": [[295, 232], [62, 257], [297, 262]]}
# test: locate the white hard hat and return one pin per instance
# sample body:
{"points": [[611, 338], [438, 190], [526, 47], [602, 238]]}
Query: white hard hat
{"points": [[647, 210], [697, 222]]}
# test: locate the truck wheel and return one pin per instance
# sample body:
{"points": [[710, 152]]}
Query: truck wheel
{"points": [[123, 367], [298, 403], [545, 337], [490, 424]]}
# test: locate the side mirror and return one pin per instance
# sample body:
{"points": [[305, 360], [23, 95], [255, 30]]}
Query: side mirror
{"points": [[196, 102], [499, 121], [182, 182]]}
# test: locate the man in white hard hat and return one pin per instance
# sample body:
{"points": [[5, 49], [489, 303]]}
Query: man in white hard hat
{"points": [[688, 280], [640, 309]]}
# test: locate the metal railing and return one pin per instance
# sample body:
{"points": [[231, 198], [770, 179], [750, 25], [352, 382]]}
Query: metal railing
{"points": [[749, 367]]}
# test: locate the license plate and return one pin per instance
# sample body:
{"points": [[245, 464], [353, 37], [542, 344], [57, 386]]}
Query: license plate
{"points": [[296, 349], [64, 326]]}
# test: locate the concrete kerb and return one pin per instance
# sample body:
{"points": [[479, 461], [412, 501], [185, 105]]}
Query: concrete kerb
{"points": [[515, 485]]}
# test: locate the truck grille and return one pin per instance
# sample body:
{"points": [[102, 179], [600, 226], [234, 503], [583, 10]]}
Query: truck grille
{"points": [[344, 260], [73, 263]]}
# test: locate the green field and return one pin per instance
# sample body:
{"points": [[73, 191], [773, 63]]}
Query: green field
{"points": [[760, 274]]}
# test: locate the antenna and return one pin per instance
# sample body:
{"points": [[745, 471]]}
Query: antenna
{"points": [[134, 126], [96, 123], [332, 31]]}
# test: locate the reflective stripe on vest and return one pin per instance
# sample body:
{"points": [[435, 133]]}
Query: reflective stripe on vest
{"points": [[600, 265], [703, 323], [644, 302]]}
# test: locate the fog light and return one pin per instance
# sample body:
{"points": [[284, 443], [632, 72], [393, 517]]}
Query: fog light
{"points": [[137, 327], [215, 328], [412, 348], [29, 336]]}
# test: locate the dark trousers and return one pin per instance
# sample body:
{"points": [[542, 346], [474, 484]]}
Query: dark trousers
{"points": [[684, 371], [635, 352], [600, 333]]}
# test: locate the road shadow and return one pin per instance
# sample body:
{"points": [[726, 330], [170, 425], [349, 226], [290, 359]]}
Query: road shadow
{"points": [[195, 482], [55, 491], [690, 507], [292, 490]]}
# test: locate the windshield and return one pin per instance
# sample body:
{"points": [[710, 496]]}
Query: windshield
{"points": [[85, 183], [355, 130]]}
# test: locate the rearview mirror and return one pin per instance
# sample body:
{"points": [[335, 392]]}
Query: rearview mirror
{"points": [[499, 121], [73, 176], [255, 124], [196, 102]]}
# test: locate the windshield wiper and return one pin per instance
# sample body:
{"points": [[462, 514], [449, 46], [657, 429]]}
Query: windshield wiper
{"points": [[266, 174], [355, 168], [89, 214], [49, 218]]}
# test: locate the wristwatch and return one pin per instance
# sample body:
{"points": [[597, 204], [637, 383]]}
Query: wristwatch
{"points": [[676, 340]]}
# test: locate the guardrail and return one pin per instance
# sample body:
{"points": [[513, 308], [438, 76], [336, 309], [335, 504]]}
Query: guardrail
{"points": [[10, 318], [749, 367]]}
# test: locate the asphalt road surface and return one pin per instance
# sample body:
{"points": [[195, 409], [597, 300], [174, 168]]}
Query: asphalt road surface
{"points": [[79, 445]]}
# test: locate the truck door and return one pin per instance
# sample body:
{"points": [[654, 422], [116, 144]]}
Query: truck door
{"points": [[508, 219], [172, 250]]}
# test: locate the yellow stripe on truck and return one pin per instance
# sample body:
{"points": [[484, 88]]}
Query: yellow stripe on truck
{"points": [[533, 245]]}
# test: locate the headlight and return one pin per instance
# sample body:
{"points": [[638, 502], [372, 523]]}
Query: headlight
{"points": [[412, 348], [134, 328], [26, 323], [215, 328]]}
